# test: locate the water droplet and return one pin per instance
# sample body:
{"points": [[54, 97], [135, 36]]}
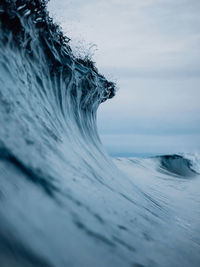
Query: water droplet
{"points": [[21, 7], [27, 12]]}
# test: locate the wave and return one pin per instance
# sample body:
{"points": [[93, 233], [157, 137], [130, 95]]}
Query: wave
{"points": [[63, 201], [171, 165], [48, 96], [178, 165]]}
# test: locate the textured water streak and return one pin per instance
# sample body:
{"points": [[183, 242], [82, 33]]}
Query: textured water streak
{"points": [[63, 201]]}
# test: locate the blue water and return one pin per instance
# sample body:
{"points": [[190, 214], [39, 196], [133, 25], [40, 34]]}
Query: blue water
{"points": [[63, 200]]}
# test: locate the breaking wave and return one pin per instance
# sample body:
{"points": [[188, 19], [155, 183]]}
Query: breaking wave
{"points": [[63, 200], [179, 165]]}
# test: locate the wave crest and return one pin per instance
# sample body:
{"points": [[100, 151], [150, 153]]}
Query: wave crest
{"points": [[178, 165], [27, 26]]}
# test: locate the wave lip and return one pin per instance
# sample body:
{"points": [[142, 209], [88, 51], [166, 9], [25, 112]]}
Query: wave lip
{"points": [[177, 165], [27, 28]]}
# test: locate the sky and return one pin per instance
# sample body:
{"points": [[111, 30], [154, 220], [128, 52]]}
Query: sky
{"points": [[150, 48]]}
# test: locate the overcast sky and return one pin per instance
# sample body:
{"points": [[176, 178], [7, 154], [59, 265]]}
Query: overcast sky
{"points": [[151, 48]]}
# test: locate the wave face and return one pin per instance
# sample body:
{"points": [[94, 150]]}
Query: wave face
{"points": [[178, 165], [63, 201]]}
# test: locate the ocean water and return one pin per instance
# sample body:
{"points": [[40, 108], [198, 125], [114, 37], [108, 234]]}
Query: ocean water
{"points": [[63, 200]]}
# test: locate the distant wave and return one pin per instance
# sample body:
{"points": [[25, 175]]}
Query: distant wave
{"points": [[63, 201], [178, 165]]}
